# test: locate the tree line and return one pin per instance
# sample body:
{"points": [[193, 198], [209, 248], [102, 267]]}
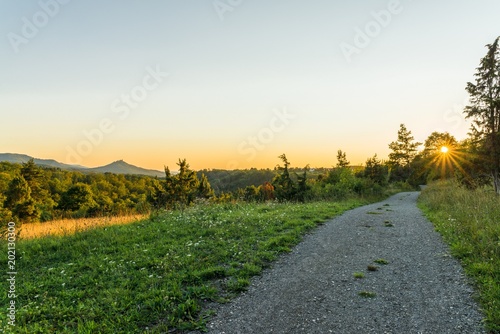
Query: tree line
{"points": [[31, 193]]}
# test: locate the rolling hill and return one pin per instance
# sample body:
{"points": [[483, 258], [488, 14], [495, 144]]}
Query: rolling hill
{"points": [[117, 167]]}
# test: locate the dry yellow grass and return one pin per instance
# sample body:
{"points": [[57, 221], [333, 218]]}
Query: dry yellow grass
{"points": [[70, 226]]}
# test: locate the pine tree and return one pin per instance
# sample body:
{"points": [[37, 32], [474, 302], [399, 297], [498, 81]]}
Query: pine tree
{"points": [[283, 184], [404, 150], [204, 189], [342, 160], [375, 170], [186, 184], [484, 110]]}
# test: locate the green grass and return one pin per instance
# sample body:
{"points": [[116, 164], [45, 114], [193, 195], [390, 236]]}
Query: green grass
{"points": [[367, 294], [381, 261], [470, 223], [155, 275], [359, 275]]}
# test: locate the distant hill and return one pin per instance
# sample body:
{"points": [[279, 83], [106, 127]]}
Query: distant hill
{"points": [[117, 167], [121, 167], [22, 158]]}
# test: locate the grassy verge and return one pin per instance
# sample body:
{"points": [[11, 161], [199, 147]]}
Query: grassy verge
{"points": [[152, 275], [470, 223], [71, 226]]}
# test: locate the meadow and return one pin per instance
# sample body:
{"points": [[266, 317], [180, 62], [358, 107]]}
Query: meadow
{"points": [[72, 226], [469, 221], [154, 275]]}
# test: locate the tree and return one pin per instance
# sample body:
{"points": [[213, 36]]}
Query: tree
{"points": [[76, 197], [180, 189], [342, 160], [484, 110], [37, 180], [185, 184], [33, 176], [375, 170], [403, 152], [283, 184], [266, 191], [19, 201], [441, 156], [472, 172], [302, 186], [204, 189]]}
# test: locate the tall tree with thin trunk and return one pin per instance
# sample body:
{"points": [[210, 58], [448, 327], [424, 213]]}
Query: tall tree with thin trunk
{"points": [[404, 150], [342, 159], [484, 110]]}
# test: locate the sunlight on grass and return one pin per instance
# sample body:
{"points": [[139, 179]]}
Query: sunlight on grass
{"points": [[469, 223], [71, 226]]}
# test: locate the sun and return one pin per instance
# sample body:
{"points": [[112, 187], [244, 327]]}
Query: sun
{"points": [[444, 149]]}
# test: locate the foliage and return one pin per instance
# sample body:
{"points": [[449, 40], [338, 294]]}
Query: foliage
{"points": [[441, 164], [472, 173], [19, 201], [285, 188], [76, 197], [180, 190], [229, 181], [154, 276], [376, 171], [342, 159], [30, 193], [468, 221], [484, 110], [404, 150]]}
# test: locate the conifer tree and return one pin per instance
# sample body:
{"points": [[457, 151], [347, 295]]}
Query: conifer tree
{"points": [[484, 110], [342, 159], [404, 150], [205, 190], [283, 184]]}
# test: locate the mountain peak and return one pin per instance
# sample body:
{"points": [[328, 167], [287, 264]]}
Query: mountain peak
{"points": [[117, 167], [123, 167]]}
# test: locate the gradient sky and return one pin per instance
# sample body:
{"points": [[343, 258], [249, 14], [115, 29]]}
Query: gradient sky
{"points": [[86, 81]]}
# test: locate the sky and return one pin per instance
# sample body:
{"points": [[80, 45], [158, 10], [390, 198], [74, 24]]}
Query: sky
{"points": [[233, 84]]}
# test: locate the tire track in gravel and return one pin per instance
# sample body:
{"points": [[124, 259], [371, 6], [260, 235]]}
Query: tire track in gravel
{"points": [[421, 289]]}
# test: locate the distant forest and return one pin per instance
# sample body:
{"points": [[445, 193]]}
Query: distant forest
{"points": [[32, 193]]}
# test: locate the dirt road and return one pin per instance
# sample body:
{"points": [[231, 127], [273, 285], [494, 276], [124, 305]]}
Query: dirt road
{"points": [[420, 289]]}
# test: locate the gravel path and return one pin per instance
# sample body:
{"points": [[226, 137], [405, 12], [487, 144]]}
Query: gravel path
{"points": [[312, 290]]}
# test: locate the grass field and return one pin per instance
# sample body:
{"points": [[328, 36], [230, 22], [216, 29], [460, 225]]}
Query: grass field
{"points": [[154, 275], [71, 226], [470, 223]]}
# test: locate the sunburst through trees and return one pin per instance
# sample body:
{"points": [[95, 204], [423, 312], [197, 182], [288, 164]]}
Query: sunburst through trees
{"points": [[443, 155]]}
